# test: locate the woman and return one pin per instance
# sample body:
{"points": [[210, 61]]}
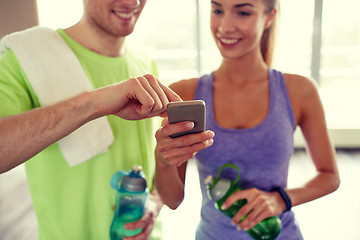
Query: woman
{"points": [[253, 111]]}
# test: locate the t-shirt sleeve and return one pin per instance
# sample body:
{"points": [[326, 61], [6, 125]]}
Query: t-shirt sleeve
{"points": [[15, 93], [154, 68]]}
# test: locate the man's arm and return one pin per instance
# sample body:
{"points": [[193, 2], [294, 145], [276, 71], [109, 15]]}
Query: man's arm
{"points": [[23, 136]]}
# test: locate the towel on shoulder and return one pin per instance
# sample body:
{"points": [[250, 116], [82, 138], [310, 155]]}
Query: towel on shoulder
{"points": [[55, 74]]}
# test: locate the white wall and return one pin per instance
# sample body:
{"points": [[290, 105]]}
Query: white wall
{"points": [[17, 15]]}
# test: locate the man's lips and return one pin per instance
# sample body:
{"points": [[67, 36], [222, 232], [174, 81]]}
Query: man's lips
{"points": [[125, 15]]}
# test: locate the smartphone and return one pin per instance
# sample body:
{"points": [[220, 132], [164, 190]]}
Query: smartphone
{"points": [[193, 111]]}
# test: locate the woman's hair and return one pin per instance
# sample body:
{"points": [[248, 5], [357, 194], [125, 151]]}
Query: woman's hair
{"points": [[268, 38]]}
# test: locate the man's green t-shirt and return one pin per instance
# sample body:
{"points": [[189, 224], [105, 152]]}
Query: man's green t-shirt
{"points": [[77, 202]]}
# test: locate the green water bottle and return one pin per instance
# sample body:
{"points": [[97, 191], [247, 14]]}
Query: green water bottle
{"points": [[219, 189]]}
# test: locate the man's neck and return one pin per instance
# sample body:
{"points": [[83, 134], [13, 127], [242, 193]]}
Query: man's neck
{"points": [[104, 44]]}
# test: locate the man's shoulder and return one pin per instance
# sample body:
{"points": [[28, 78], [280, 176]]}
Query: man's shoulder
{"points": [[32, 32], [139, 56], [141, 60]]}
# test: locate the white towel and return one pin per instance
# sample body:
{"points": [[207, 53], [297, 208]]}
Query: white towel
{"points": [[55, 74]]}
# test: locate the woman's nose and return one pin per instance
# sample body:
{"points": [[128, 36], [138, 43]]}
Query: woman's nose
{"points": [[227, 24], [132, 3]]}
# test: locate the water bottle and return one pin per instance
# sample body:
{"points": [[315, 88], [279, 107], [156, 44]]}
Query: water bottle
{"points": [[131, 196], [219, 189]]}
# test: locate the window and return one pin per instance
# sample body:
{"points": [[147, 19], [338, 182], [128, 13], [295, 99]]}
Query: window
{"points": [[340, 63], [59, 14], [167, 31], [293, 47]]}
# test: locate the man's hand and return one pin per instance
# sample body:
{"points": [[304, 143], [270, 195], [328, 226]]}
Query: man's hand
{"points": [[146, 223], [134, 99]]}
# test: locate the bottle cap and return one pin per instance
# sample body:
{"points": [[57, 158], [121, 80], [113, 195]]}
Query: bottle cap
{"points": [[218, 189], [137, 169], [135, 181], [208, 180]]}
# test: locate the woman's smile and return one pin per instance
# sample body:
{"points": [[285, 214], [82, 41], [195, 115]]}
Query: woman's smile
{"points": [[229, 42]]}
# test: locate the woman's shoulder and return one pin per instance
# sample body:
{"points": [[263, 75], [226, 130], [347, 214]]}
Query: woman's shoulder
{"points": [[297, 78], [303, 94], [185, 88], [299, 85]]}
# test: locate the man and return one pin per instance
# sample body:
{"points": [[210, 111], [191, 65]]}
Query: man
{"points": [[75, 200]]}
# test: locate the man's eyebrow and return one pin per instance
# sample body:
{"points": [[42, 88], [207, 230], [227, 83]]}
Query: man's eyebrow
{"points": [[236, 6]]}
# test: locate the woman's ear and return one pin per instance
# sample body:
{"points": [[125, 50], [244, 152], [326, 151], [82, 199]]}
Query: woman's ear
{"points": [[270, 18]]}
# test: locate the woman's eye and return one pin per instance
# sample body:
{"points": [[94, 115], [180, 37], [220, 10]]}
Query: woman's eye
{"points": [[242, 13], [216, 11]]}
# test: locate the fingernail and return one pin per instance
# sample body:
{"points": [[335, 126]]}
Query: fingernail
{"points": [[238, 228], [211, 134], [211, 141], [233, 223], [223, 207], [190, 125]]}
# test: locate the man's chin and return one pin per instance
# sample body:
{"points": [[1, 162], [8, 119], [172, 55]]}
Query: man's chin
{"points": [[122, 32]]}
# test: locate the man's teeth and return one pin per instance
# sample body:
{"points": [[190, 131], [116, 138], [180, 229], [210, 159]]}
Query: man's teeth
{"points": [[124, 15], [229, 41]]}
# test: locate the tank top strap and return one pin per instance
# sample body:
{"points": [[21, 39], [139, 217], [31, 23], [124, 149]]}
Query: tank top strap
{"points": [[280, 96], [204, 88]]}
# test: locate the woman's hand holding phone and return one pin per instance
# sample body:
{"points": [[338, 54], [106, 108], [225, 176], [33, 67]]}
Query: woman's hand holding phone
{"points": [[179, 141], [193, 111]]}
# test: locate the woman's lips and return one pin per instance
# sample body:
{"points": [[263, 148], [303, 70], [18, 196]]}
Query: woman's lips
{"points": [[229, 42]]}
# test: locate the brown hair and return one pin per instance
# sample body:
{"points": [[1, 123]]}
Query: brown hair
{"points": [[268, 38]]}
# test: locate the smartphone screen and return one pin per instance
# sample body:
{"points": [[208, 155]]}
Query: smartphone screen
{"points": [[193, 111]]}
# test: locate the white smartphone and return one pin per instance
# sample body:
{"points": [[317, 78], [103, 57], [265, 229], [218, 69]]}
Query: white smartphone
{"points": [[193, 111]]}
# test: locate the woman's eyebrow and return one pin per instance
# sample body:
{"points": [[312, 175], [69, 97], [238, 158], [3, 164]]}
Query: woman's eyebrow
{"points": [[243, 5], [236, 6], [215, 3]]}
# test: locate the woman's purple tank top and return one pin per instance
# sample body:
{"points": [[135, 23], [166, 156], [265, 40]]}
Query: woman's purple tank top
{"points": [[262, 154]]}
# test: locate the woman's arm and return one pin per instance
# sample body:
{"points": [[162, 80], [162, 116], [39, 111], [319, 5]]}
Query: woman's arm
{"points": [[172, 154], [170, 181], [310, 116]]}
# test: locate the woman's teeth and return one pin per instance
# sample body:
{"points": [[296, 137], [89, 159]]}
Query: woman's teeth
{"points": [[229, 41]]}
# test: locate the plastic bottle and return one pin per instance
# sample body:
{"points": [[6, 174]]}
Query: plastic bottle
{"points": [[219, 189], [131, 196]]}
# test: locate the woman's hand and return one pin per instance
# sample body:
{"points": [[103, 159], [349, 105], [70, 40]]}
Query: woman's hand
{"points": [[175, 151], [260, 205]]}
